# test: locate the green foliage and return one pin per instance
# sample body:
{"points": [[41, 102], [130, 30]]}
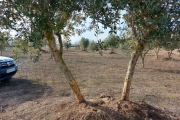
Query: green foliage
{"points": [[127, 47], [25, 47], [93, 47], [105, 45], [84, 43], [3, 41], [34, 19], [112, 41], [2, 46], [171, 46], [67, 44], [63, 16]]}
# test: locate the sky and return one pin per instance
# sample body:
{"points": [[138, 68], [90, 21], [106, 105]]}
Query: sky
{"points": [[90, 34]]}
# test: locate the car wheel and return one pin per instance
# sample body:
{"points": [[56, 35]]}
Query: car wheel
{"points": [[6, 80]]}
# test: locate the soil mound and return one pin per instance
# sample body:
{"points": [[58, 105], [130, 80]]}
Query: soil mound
{"points": [[111, 109]]}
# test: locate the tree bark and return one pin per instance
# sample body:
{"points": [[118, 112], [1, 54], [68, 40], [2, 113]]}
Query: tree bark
{"points": [[135, 55], [60, 62]]}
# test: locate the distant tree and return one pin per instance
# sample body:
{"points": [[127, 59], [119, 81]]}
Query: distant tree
{"points": [[3, 41], [77, 45], [105, 45], [156, 46], [67, 44], [147, 48], [127, 47], [45, 43], [2, 46], [84, 43], [169, 47], [112, 41], [93, 47]]}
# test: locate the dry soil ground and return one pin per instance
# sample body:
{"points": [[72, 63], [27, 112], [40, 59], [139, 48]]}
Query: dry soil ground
{"points": [[40, 91]]}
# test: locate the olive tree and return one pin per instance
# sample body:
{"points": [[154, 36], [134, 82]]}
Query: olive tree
{"points": [[67, 44], [157, 19], [38, 19], [84, 43], [169, 47], [112, 42], [93, 47], [156, 45], [154, 21]]}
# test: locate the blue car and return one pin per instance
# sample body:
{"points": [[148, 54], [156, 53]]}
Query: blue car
{"points": [[8, 68]]}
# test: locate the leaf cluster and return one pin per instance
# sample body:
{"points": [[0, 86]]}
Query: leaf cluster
{"points": [[112, 41]]}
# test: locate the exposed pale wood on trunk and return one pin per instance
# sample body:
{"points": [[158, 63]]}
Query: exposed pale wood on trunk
{"points": [[60, 62]]}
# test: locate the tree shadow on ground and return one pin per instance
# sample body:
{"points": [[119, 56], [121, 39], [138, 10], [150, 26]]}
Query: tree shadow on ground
{"points": [[168, 71], [18, 91]]}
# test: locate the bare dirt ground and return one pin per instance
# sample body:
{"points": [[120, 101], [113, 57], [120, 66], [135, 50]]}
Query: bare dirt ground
{"points": [[40, 91]]}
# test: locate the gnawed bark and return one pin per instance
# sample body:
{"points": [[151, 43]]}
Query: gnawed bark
{"points": [[135, 55], [60, 62]]}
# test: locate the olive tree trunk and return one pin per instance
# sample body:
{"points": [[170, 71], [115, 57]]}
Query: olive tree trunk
{"points": [[134, 57], [127, 83], [57, 55]]}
